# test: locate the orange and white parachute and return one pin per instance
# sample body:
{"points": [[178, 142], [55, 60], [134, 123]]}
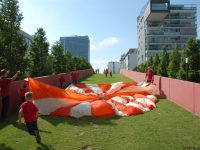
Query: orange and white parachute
{"points": [[98, 100]]}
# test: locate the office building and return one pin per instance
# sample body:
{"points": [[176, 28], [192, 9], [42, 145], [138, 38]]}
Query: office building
{"points": [[162, 25], [27, 37], [77, 45], [129, 60], [114, 66]]}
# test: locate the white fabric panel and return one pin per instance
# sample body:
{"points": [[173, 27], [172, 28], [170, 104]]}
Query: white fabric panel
{"points": [[95, 88], [83, 109], [48, 105]]}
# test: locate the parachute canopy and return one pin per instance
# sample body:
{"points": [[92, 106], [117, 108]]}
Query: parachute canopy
{"points": [[98, 100]]}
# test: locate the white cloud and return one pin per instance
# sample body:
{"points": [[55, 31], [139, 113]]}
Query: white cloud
{"points": [[109, 41], [104, 42], [92, 47]]}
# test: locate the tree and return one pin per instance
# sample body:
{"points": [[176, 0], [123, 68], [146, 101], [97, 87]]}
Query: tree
{"points": [[50, 64], [59, 59], [38, 54], [12, 46], [162, 67], [174, 62], [156, 62], [150, 62], [191, 51], [69, 61]]}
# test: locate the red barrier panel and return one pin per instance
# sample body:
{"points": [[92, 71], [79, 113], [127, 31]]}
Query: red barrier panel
{"points": [[184, 93], [197, 99], [52, 80]]}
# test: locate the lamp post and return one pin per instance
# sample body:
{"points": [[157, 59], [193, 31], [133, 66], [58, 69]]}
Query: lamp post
{"points": [[186, 68]]}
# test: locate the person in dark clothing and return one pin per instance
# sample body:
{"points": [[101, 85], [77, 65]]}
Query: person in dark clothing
{"points": [[62, 81], [5, 92], [110, 73]]}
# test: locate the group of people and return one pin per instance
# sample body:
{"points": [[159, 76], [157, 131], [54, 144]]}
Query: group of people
{"points": [[27, 108], [97, 71], [74, 78], [106, 72]]}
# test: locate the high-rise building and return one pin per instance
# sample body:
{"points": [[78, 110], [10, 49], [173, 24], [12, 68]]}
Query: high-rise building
{"points": [[77, 45], [162, 25], [27, 37]]}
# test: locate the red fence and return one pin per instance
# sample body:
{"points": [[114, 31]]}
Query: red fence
{"points": [[52, 80], [184, 93]]}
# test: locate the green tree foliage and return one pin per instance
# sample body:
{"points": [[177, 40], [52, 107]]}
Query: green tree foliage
{"points": [[12, 46], [50, 64], [174, 63], [38, 54], [181, 72], [142, 68], [156, 62], [69, 61], [59, 59], [191, 51], [150, 62], [162, 67]]}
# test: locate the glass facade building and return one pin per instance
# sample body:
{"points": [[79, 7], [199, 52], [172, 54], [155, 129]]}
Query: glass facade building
{"points": [[77, 45], [162, 25]]}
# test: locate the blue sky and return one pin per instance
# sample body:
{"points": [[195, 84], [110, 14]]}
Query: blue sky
{"points": [[110, 24]]}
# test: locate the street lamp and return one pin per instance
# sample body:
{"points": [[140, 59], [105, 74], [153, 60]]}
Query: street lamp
{"points": [[186, 67]]}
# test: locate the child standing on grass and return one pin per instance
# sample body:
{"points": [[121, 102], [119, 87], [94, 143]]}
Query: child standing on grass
{"points": [[30, 113]]}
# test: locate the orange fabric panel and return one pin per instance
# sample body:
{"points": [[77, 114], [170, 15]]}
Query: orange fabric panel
{"points": [[62, 112], [128, 110], [101, 108], [139, 96], [41, 90]]}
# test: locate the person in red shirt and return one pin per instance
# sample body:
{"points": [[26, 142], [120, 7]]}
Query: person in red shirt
{"points": [[62, 81], [30, 113], [5, 92], [22, 92], [74, 76], [149, 75]]}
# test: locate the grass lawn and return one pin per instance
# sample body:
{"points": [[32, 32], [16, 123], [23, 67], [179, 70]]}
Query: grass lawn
{"points": [[168, 127]]}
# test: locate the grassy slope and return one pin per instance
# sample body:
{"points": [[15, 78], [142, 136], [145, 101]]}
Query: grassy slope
{"points": [[166, 127]]}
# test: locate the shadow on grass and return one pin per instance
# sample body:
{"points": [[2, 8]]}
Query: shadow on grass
{"points": [[45, 147], [4, 147], [23, 127], [80, 121], [11, 120]]}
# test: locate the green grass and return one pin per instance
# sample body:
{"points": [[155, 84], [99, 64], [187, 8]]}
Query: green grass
{"points": [[101, 78], [168, 127]]}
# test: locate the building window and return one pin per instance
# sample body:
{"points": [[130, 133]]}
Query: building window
{"points": [[159, 6]]}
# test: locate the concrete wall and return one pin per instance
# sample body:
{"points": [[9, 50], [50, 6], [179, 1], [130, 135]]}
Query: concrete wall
{"points": [[184, 93], [52, 80]]}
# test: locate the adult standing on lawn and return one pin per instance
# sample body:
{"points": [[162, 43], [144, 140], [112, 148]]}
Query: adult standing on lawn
{"points": [[5, 91], [149, 75]]}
